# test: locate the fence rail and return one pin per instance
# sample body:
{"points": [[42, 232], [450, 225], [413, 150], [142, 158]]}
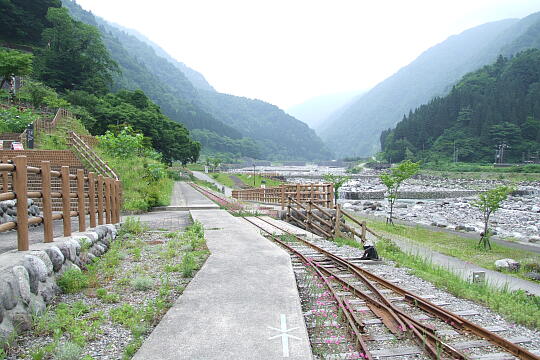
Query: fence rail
{"points": [[321, 194], [44, 125], [86, 153], [329, 222], [97, 196]]}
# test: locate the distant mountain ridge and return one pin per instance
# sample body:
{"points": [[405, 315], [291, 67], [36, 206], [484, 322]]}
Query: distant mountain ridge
{"points": [[356, 131], [315, 110]]}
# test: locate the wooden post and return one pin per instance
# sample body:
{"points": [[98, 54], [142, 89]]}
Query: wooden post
{"points": [[113, 202], [21, 191], [282, 197], [118, 201], [66, 202], [298, 192], [337, 226], [80, 200], [363, 237], [107, 201], [5, 176], [309, 219], [92, 198], [100, 199], [47, 201], [330, 196]]}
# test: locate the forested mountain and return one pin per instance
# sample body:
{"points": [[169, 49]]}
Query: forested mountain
{"points": [[356, 130], [498, 104], [24, 21], [315, 110], [279, 134], [69, 66], [223, 123]]}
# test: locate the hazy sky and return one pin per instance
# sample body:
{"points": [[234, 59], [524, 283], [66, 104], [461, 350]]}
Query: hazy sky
{"points": [[286, 51]]}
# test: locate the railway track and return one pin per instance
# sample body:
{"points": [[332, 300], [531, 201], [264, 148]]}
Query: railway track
{"points": [[382, 319]]}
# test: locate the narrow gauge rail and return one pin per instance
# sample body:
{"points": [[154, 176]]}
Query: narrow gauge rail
{"points": [[369, 289]]}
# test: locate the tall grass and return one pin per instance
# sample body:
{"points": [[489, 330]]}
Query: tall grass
{"points": [[517, 306]]}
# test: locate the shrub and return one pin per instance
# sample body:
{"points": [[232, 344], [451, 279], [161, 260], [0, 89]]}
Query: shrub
{"points": [[72, 281], [13, 120]]}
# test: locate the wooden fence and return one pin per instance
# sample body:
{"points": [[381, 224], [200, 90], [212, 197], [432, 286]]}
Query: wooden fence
{"points": [[329, 222], [321, 194], [44, 125], [97, 196]]}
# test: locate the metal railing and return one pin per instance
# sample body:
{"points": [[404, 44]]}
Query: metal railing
{"points": [[86, 153], [321, 194], [101, 200]]}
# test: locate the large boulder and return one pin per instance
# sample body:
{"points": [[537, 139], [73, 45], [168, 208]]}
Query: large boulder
{"points": [[507, 264]]}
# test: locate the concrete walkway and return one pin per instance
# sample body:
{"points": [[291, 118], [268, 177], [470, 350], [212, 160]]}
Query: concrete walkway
{"points": [[462, 268], [202, 176], [242, 304], [185, 197]]}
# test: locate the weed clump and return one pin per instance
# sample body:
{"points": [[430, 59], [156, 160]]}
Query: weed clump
{"points": [[68, 351], [72, 281], [142, 283]]}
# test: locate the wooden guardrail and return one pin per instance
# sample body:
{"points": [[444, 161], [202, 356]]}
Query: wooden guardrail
{"points": [[86, 153], [321, 194], [44, 125], [101, 201], [329, 222]]}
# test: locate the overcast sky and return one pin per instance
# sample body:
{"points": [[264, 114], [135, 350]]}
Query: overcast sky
{"points": [[286, 51]]}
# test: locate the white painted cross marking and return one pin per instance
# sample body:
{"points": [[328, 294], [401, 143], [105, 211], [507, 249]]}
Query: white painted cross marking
{"points": [[284, 335]]}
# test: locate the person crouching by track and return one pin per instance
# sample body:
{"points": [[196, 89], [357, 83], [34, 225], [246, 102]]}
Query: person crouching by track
{"points": [[370, 253]]}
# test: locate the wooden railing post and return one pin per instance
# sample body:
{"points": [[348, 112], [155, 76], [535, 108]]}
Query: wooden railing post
{"points": [[113, 202], [47, 201], [309, 220], [80, 200], [107, 200], [363, 237], [118, 192], [66, 202], [5, 176], [282, 196], [330, 196], [92, 199], [21, 191], [337, 226], [100, 200]]}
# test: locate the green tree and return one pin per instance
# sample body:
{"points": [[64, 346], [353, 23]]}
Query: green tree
{"points": [[393, 180], [23, 21], [74, 57], [488, 203], [14, 63], [338, 181]]}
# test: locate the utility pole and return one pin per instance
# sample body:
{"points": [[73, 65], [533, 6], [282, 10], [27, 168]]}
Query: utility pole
{"points": [[253, 175]]}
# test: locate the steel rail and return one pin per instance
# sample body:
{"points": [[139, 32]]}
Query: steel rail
{"points": [[353, 322], [452, 319], [390, 315]]}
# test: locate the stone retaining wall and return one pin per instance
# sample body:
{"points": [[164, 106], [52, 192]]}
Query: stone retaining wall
{"points": [[8, 210], [379, 195], [28, 278]]}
